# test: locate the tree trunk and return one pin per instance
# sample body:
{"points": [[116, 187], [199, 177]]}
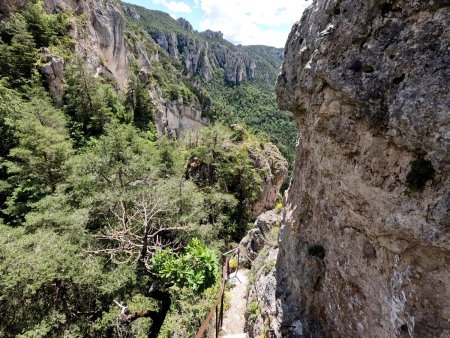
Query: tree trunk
{"points": [[158, 318]]}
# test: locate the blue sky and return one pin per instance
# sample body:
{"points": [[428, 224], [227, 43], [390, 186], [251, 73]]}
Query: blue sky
{"points": [[248, 22]]}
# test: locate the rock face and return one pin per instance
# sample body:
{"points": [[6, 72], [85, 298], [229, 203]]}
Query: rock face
{"points": [[276, 166], [254, 241], [209, 34], [10, 6], [199, 57], [365, 243], [185, 24], [176, 119], [53, 72], [101, 39]]}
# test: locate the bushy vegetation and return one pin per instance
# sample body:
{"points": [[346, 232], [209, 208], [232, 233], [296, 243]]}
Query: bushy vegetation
{"points": [[105, 230], [254, 106]]}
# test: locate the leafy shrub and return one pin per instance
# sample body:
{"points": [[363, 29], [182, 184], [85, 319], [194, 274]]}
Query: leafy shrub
{"points": [[233, 264], [253, 310], [278, 207], [196, 268]]}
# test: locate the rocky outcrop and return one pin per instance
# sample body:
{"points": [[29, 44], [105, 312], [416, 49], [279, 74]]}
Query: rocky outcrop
{"points": [[209, 34], [131, 11], [176, 119], [53, 73], [276, 166], [201, 58], [101, 40], [255, 239], [365, 243], [186, 25]]}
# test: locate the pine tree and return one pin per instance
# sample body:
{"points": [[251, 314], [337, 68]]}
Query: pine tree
{"points": [[138, 104], [90, 104], [18, 55], [37, 164]]}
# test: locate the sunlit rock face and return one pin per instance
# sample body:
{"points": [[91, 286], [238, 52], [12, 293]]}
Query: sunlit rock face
{"points": [[364, 245], [203, 57]]}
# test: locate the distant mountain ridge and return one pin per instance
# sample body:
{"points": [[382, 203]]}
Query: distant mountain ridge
{"points": [[202, 53]]}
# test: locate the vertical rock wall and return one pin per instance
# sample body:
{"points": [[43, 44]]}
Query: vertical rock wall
{"points": [[365, 240]]}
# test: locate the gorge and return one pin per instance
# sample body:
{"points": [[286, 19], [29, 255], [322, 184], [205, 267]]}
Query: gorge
{"points": [[136, 150]]}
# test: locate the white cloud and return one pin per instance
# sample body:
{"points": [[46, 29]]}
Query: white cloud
{"points": [[174, 6], [252, 21]]}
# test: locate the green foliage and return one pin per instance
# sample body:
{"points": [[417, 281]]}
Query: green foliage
{"points": [[278, 207], [36, 164], [20, 37], [233, 264], [166, 73], [253, 105], [253, 311], [48, 283], [82, 185], [196, 268], [47, 29], [420, 173], [92, 105], [18, 54], [188, 311], [138, 104], [151, 20], [219, 161]]}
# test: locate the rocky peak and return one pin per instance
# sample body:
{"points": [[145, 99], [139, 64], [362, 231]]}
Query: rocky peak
{"points": [[209, 34], [131, 12], [201, 58], [200, 53], [185, 24], [365, 247]]}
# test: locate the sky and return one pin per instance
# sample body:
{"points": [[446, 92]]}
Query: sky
{"points": [[246, 22]]}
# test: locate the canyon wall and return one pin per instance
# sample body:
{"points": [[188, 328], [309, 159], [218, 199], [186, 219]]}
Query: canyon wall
{"points": [[365, 244], [102, 41]]}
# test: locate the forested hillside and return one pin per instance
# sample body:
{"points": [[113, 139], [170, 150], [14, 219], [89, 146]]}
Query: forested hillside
{"points": [[109, 224], [234, 83]]}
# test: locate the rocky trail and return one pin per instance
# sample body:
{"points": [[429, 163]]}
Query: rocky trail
{"points": [[234, 319]]}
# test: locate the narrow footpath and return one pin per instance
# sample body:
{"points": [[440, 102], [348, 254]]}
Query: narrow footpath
{"points": [[234, 319]]}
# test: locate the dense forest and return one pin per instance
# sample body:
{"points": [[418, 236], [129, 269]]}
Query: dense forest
{"points": [[105, 225]]}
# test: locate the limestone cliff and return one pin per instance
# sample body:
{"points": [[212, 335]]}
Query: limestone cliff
{"points": [[200, 53], [108, 45], [201, 57], [365, 243]]}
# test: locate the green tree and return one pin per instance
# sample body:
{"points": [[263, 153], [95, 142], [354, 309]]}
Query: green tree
{"points": [[90, 104], [224, 158], [37, 164], [50, 287], [138, 103], [18, 54]]}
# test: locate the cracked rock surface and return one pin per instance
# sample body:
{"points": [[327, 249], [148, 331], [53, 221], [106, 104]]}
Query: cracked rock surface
{"points": [[365, 244]]}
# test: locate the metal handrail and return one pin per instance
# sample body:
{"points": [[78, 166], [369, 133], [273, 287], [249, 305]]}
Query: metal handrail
{"points": [[217, 308]]}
